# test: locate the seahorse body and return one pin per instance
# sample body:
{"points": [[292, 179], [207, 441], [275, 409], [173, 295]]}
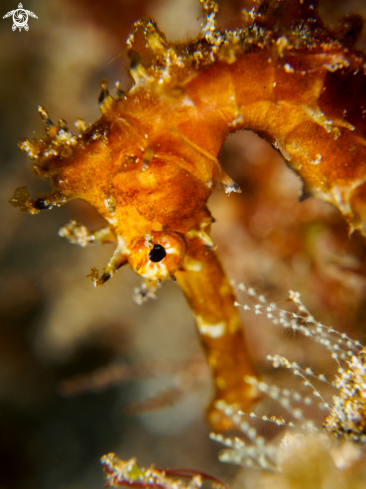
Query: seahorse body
{"points": [[149, 164]]}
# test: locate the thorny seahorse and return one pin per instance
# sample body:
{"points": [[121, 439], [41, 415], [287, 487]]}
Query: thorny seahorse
{"points": [[150, 163]]}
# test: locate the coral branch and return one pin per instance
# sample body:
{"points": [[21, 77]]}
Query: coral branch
{"points": [[121, 474]]}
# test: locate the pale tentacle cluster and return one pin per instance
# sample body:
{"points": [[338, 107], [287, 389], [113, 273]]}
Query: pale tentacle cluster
{"points": [[346, 418]]}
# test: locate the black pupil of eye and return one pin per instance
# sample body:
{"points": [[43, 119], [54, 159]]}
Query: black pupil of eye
{"points": [[157, 253]]}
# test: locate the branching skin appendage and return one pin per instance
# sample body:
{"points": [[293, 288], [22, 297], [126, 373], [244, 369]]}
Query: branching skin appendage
{"points": [[150, 163]]}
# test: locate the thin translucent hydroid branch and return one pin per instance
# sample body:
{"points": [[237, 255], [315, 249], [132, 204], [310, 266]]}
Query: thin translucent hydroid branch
{"points": [[278, 360], [304, 323], [283, 397]]}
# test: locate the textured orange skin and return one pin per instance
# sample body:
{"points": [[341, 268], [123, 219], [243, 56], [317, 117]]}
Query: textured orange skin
{"points": [[149, 164]]}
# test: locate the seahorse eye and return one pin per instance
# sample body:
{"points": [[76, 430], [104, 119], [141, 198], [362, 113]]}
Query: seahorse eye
{"points": [[157, 253], [157, 261]]}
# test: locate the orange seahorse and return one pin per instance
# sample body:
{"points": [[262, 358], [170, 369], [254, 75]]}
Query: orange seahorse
{"points": [[150, 163]]}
